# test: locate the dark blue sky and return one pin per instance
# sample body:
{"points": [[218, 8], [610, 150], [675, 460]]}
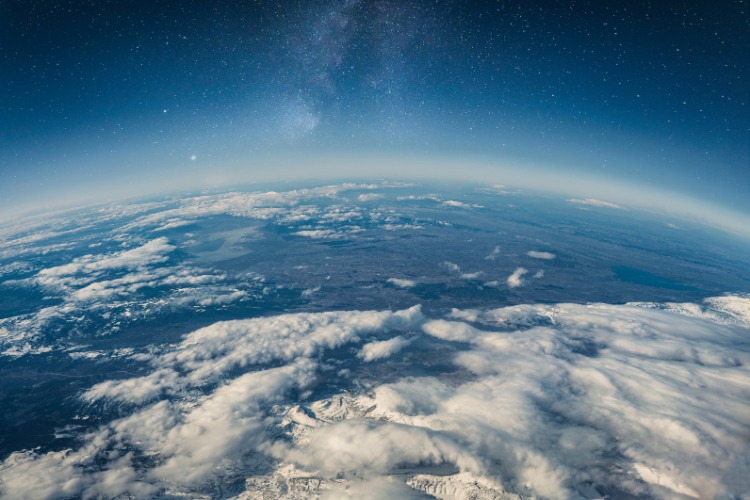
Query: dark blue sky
{"points": [[96, 95]]}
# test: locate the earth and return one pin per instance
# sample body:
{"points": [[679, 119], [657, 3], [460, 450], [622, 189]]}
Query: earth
{"points": [[373, 340]]}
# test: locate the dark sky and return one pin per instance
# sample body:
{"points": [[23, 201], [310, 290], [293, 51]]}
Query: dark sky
{"points": [[99, 94]]}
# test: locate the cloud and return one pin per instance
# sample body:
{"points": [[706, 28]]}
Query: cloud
{"points": [[310, 291], [459, 204], [374, 351], [208, 354], [370, 447], [494, 253], [152, 252], [448, 330], [565, 392], [451, 267], [113, 289], [150, 276], [594, 203], [535, 400], [225, 401], [321, 234], [402, 283], [413, 197], [369, 197], [515, 279], [540, 255], [267, 205], [727, 309]]}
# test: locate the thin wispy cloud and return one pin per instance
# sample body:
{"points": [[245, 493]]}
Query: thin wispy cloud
{"points": [[593, 202]]}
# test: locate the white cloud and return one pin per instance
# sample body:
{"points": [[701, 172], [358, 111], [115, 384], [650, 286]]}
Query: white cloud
{"points": [[402, 283], [459, 204], [450, 330], [494, 253], [374, 448], [450, 266], [516, 278], [206, 355], [402, 227], [555, 401], [594, 203], [321, 234], [112, 289], [255, 205], [728, 309], [540, 255], [412, 197], [309, 291], [215, 422], [152, 252], [382, 349], [369, 197]]}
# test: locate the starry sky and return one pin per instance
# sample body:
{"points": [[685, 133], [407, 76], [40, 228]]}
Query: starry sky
{"points": [[124, 97]]}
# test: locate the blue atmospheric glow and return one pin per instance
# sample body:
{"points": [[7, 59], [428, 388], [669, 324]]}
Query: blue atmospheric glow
{"points": [[106, 101]]}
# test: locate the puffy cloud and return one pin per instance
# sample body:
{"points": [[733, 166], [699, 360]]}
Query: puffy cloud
{"points": [[152, 252], [321, 234], [279, 207], [540, 255], [450, 330], [494, 253], [53, 475], [200, 433], [459, 204], [402, 283], [450, 266], [382, 349], [369, 197], [226, 424], [646, 387], [370, 447], [516, 278], [412, 197], [728, 309], [207, 355], [555, 401], [113, 289], [411, 397]]}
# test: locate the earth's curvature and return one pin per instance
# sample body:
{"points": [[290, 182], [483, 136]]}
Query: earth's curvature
{"points": [[373, 340]]}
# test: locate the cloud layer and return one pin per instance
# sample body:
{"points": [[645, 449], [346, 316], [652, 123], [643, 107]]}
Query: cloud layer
{"points": [[554, 401]]}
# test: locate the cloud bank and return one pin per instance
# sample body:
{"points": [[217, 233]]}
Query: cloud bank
{"points": [[552, 401]]}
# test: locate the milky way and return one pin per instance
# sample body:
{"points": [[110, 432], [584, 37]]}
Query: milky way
{"points": [[95, 97]]}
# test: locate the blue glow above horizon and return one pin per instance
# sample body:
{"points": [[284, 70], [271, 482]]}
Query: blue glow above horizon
{"points": [[136, 98]]}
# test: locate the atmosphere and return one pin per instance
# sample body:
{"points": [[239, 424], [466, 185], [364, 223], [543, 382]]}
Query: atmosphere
{"points": [[104, 100], [374, 249]]}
